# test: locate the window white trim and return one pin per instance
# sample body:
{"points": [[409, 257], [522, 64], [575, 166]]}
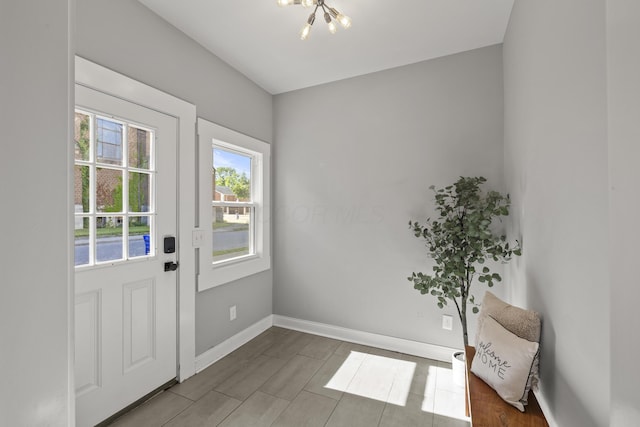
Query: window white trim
{"points": [[211, 275]]}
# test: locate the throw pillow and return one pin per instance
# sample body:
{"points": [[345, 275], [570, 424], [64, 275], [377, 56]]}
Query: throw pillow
{"points": [[504, 360], [523, 323]]}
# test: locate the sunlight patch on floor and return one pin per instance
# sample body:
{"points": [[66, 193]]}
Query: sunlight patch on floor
{"points": [[449, 398], [391, 381], [374, 377]]}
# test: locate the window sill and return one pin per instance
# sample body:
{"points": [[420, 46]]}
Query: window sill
{"points": [[232, 270], [236, 260]]}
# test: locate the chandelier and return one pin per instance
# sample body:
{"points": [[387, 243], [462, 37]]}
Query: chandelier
{"points": [[330, 16]]}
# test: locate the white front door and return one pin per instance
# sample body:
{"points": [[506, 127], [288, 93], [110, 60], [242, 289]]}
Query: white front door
{"points": [[125, 210]]}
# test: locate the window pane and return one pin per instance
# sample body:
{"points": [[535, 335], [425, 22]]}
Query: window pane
{"points": [[108, 190], [231, 232], [81, 138], [139, 190], [139, 148], [82, 240], [81, 189], [116, 190], [108, 238], [232, 176], [140, 243], [109, 142]]}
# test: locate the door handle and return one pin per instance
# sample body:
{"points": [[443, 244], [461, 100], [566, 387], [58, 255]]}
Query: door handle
{"points": [[170, 266]]}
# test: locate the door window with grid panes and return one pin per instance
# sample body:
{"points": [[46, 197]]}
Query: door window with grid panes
{"points": [[113, 191]]}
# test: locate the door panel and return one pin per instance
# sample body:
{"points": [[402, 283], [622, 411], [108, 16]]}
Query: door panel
{"points": [[88, 363], [126, 304], [139, 332]]}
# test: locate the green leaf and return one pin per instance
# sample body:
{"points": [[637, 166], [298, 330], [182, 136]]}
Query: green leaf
{"points": [[461, 239]]}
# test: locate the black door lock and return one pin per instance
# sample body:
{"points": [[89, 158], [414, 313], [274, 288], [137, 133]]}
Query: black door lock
{"points": [[169, 245], [170, 266]]}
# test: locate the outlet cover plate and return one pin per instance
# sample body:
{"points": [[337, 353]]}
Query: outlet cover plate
{"points": [[447, 322]]}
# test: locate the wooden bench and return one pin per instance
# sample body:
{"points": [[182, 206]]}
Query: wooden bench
{"points": [[487, 409]]}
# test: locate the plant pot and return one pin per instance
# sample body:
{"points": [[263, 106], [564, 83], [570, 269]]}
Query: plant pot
{"points": [[458, 368]]}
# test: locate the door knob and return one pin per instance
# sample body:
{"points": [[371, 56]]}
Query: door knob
{"points": [[170, 266]]}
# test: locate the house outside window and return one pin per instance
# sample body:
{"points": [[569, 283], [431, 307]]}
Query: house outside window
{"points": [[233, 204], [113, 190], [109, 141]]}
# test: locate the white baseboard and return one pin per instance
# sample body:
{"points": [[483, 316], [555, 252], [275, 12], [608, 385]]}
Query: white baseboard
{"points": [[401, 345], [216, 353], [546, 410]]}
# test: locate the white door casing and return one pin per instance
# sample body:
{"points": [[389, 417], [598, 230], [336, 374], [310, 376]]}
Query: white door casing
{"points": [[94, 76], [126, 310]]}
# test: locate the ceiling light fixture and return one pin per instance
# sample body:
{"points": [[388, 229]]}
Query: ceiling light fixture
{"points": [[330, 16]]}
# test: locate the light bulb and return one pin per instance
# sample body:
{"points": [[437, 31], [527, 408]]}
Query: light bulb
{"points": [[330, 23], [305, 32], [344, 20], [307, 28], [308, 3], [285, 2]]}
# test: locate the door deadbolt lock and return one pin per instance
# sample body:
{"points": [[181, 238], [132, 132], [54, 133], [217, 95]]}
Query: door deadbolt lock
{"points": [[169, 245], [170, 266]]}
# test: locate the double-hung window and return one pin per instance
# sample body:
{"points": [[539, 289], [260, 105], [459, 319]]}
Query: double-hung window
{"points": [[233, 203], [234, 200]]}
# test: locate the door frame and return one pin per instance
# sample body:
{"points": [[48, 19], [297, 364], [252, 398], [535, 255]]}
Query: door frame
{"points": [[110, 82]]}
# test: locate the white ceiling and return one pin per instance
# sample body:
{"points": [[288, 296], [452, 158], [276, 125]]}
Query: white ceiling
{"points": [[261, 39]]}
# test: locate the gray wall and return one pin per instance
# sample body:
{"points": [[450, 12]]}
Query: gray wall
{"points": [[353, 161], [127, 37], [623, 36], [557, 173], [35, 255]]}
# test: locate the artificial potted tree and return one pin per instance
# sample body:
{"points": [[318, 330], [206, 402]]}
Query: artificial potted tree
{"points": [[462, 243]]}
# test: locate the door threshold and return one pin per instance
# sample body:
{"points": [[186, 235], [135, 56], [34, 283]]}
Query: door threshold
{"points": [[138, 402]]}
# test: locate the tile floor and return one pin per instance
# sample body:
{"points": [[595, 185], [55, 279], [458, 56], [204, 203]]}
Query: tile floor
{"points": [[285, 378]]}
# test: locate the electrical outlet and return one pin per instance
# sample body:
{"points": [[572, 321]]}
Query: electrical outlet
{"points": [[232, 312], [447, 322]]}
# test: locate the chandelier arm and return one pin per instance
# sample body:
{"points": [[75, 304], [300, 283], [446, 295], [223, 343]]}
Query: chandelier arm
{"points": [[331, 15]]}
